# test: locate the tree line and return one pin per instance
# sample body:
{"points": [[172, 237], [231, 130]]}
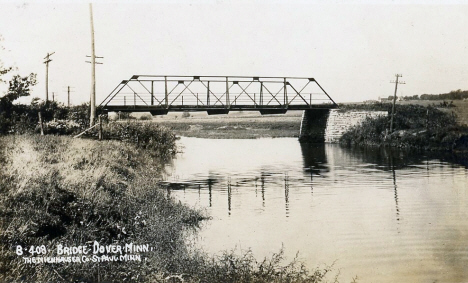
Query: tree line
{"points": [[453, 95]]}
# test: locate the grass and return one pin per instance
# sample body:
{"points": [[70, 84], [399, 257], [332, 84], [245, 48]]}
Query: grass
{"points": [[460, 110], [415, 126], [69, 191], [58, 190]]}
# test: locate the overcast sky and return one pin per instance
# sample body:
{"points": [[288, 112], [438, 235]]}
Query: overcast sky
{"points": [[352, 48]]}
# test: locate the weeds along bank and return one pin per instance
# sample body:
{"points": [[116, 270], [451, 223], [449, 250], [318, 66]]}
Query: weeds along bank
{"points": [[415, 126], [55, 190], [72, 192]]}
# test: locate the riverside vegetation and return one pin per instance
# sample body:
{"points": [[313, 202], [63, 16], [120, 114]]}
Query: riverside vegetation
{"points": [[415, 127]]}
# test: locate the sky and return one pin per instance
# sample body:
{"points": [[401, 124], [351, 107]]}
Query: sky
{"points": [[352, 48]]}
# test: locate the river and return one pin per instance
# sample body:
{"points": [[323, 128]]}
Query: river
{"points": [[379, 215]]}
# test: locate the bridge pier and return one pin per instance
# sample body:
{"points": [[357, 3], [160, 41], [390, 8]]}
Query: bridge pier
{"points": [[313, 125]]}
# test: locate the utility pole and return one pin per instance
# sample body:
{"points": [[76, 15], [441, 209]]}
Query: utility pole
{"points": [[68, 94], [46, 62], [93, 71], [68, 97], [394, 98]]}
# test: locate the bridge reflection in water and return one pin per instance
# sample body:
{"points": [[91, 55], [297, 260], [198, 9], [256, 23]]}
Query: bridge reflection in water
{"points": [[320, 164]]}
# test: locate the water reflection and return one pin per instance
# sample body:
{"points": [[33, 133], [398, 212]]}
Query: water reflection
{"points": [[387, 216], [392, 166], [319, 163], [314, 158]]}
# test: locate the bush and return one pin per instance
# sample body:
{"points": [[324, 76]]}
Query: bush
{"points": [[414, 126], [144, 135], [185, 114], [79, 114], [146, 117], [61, 127], [21, 119]]}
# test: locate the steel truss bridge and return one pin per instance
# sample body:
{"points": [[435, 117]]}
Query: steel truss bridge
{"points": [[216, 94]]}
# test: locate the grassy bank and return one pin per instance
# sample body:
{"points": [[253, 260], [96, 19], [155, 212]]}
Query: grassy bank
{"points": [[72, 192], [235, 125], [58, 190], [415, 126], [460, 107]]}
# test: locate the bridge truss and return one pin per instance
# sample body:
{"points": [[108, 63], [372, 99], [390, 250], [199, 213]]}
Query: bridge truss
{"points": [[216, 94]]}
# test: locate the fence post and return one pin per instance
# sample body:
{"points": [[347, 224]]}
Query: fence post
{"points": [[40, 123], [100, 127]]}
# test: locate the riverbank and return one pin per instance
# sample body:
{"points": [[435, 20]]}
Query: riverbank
{"points": [[75, 192], [414, 127], [101, 202]]}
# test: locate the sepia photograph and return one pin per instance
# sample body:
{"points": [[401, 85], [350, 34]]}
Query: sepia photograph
{"points": [[234, 141]]}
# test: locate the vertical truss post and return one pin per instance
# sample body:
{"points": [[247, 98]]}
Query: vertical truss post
{"points": [[165, 92], [261, 93], [152, 92], [285, 97], [208, 94], [227, 93]]}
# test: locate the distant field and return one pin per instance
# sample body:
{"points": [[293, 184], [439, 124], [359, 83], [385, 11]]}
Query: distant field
{"points": [[460, 109], [234, 125]]}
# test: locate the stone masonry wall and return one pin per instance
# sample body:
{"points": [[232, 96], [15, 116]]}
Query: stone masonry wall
{"points": [[339, 122], [313, 125]]}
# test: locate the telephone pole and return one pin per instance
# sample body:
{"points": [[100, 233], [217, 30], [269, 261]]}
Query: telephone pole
{"points": [[46, 62], [394, 99], [93, 71], [68, 94]]}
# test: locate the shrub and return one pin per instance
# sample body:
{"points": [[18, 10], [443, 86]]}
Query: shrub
{"points": [[20, 119], [144, 135], [62, 127], [146, 117], [79, 114], [185, 114]]}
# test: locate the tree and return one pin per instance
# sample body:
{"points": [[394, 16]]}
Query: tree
{"points": [[20, 86], [14, 116]]}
